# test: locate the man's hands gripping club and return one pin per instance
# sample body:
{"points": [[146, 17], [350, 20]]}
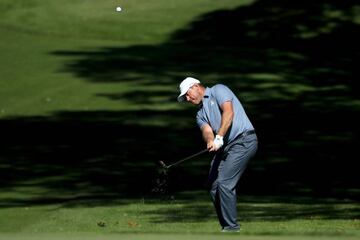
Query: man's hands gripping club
{"points": [[216, 144], [213, 144]]}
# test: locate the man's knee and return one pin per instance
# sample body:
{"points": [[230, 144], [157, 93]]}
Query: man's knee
{"points": [[213, 190], [222, 186], [226, 185]]}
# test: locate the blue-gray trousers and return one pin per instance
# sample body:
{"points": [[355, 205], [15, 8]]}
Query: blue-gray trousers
{"points": [[226, 169]]}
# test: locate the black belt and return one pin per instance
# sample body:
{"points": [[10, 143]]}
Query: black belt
{"points": [[246, 133], [243, 134]]}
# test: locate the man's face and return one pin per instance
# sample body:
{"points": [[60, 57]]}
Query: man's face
{"points": [[193, 95]]}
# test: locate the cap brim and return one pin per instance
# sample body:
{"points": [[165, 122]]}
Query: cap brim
{"points": [[181, 98]]}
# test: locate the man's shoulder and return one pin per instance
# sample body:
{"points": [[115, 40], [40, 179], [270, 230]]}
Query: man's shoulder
{"points": [[219, 88]]}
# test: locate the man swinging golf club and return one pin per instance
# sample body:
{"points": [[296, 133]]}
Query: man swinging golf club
{"points": [[228, 132]]}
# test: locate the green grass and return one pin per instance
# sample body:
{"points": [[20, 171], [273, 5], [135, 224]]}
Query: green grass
{"points": [[56, 58], [140, 22], [186, 215], [179, 219], [157, 236], [32, 78], [36, 81]]}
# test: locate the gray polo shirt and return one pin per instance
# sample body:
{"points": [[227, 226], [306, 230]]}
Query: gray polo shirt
{"points": [[210, 112]]}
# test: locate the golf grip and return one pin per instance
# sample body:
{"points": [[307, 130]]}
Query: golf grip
{"points": [[189, 157]]}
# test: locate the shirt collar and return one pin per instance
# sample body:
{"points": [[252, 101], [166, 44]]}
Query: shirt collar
{"points": [[207, 94]]}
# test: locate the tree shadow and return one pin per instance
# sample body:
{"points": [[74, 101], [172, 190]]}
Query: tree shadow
{"points": [[189, 211], [73, 156], [289, 67], [254, 208]]}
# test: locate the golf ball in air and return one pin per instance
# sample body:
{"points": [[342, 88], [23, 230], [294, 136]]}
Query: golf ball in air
{"points": [[118, 9]]}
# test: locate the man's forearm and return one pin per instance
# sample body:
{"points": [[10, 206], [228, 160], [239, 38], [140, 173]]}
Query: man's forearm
{"points": [[207, 133], [208, 136], [226, 121]]}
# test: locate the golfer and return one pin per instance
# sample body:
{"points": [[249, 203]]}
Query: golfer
{"points": [[228, 132]]}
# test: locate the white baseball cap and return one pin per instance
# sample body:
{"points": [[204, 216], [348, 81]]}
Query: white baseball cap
{"points": [[185, 85]]}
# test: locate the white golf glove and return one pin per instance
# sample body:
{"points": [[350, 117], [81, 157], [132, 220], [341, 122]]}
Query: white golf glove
{"points": [[218, 142]]}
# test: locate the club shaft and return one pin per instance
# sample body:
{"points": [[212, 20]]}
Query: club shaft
{"points": [[187, 158]]}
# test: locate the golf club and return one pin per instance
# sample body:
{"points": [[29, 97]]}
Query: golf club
{"points": [[182, 160]]}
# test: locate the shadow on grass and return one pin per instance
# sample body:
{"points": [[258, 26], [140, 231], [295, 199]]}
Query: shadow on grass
{"points": [[82, 155], [285, 62], [195, 212], [250, 208]]}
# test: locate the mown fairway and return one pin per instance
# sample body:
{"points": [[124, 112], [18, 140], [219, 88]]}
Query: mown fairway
{"points": [[88, 107], [187, 215], [39, 38]]}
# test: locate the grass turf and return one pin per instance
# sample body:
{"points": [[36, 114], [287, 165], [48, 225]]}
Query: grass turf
{"points": [[161, 236], [189, 213], [33, 80]]}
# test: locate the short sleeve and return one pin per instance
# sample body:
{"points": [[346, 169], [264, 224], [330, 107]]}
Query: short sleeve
{"points": [[200, 120], [222, 94]]}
